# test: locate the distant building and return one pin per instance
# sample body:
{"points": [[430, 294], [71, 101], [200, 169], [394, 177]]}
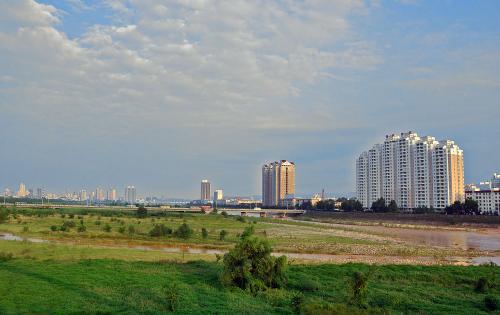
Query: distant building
{"points": [[278, 183], [205, 190], [130, 194], [112, 195], [39, 193], [99, 194], [411, 170], [488, 200], [83, 195], [495, 180], [21, 193], [218, 195]]}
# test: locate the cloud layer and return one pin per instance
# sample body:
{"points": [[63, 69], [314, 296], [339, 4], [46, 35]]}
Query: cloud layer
{"points": [[163, 93]]}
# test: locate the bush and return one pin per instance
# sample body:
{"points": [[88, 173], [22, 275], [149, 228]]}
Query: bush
{"points": [[241, 219], [71, 216], [81, 228], [142, 212], [53, 228], [160, 230], [131, 229], [107, 228], [69, 224], [97, 222], [4, 215], [121, 230], [482, 285], [224, 214], [222, 235], [63, 228], [358, 285], [6, 256], [172, 295], [204, 233], [250, 266], [183, 231], [491, 303], [25, 229], [297, 302]]}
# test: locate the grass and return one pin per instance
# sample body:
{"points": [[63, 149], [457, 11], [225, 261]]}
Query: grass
{"points": [[116, 286]]}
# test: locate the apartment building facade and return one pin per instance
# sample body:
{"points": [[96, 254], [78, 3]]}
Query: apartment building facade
{"points": [[411, 170], [278, 183]]}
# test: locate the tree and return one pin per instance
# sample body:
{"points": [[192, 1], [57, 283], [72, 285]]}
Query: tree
{"points": [[160, 230], [351, 205], [250, 266], [455, 208], [183, 231], [204, 233], [142, 212], [393, 206], [471, 206], [379, 205], [4, 215], [222, 235]]}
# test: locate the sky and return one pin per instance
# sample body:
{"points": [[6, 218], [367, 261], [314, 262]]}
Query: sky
{"points": [[162, 94]]}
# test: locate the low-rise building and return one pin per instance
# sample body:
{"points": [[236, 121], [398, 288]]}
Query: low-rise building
{"points": [[487, 199]]}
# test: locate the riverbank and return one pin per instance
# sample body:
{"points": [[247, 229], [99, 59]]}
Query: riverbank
{"points": [[405, 218]]}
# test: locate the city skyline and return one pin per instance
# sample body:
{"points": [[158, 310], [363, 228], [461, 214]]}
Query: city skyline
{"points": [[101, 93]]}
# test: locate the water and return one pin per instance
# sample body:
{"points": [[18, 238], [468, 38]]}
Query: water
{"points": [[12, 237], [487, 239]]}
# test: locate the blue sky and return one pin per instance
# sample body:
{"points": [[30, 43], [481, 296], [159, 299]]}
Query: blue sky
{"points": [[161, 94]]}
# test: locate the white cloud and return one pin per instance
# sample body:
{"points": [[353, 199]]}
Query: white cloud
{"points": [[212, 59]]}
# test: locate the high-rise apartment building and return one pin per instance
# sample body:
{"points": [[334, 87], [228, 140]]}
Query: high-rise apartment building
{"points": [[21, 193], [205, 190], [411, 170], [100, 194], [83, 195], [218, 195], [495, 181], [39, 193], [130, 194], [278, 183], [112, 195]]}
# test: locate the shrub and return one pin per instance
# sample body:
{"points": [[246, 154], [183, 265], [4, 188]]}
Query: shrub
{"points": [[131, 229], [6, 256], [160, 230], [297, 302], [491, 303], [63, 215], [222, 235], [53, 228], [482, 285], [121, 229], [241, 219], [71, 216], [249, 231], [172, 295], [63, 228], [224, 214], [359, 282], [107, 228], [4, 215], [97, 222], [184, 231], [69, 224], [142, 212], [204, 233], [25, 229], [250, 266], [81, 228]]}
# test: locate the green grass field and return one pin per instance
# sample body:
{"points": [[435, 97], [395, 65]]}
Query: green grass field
{"points": [[115, 286], [100, 272]]}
